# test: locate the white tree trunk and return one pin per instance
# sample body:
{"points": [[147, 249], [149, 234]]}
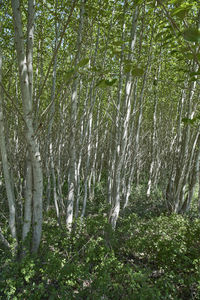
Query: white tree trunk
{"points": [[5, 163], [74, 98], [122, 137], [26, 83], [28, 195]]}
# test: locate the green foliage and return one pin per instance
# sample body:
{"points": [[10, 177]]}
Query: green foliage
{"points": [[169, 246], [145, 206], [182, 11], [137, 71], [155, 258], [83, 62], [134, 69], [191, 35], [188, 121], [103, 83]]}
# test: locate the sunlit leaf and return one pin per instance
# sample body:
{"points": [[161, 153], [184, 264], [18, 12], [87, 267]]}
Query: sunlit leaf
{"points": [[168, 37], [136, 2], [160, 35]]}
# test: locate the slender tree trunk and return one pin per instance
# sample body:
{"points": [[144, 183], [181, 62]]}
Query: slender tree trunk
{"points": [[28, 195], [74, 98], [123, 140], [185, 157], [5, 163], [153, 165], [51, 165], [25, 66]]}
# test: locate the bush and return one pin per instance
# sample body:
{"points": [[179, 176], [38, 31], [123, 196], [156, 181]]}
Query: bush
{"points": [[169, 246], [144, 258]]}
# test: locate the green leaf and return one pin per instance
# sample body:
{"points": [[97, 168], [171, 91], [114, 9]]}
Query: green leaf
{"points": [[136, 2], [110, 83], [118, 43], [168, 37], [106, 83], [191, 35], [195, 73], [101, 83], [193, 79], [69, 74], [173, 52], [182, 70], [188, 121], [127, 68], [189, 55], [137, 71], [181, 12], [117, 50], [83, 62], [180, 81]]}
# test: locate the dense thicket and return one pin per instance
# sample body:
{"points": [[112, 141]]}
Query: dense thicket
{"points": [[98, 100]]}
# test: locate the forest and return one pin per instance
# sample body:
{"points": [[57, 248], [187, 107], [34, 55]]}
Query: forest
{"points": [[100, 149]]}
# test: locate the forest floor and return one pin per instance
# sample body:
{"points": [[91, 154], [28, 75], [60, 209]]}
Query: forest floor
{"points": [[151, 255]]}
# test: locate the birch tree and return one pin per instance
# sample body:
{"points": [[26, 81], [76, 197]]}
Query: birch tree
{"points": [[25, 67], [6, 170], [73, 160], [122, 137]]}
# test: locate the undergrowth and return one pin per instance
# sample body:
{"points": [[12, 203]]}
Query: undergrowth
{"points": [[145, 258]]}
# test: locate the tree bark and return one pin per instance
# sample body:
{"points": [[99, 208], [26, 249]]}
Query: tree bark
{"points": [[73, 160], [5, 163], [25, 66]]}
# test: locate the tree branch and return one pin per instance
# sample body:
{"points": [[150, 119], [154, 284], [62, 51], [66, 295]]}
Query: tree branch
{"points": [[4, 240], [56, 50]]}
